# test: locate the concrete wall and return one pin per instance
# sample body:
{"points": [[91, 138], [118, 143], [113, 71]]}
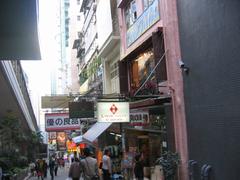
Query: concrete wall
{"points": [[210, 41]]}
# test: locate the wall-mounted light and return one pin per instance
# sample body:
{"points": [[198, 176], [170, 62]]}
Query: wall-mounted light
{"points": [[183, 66]]}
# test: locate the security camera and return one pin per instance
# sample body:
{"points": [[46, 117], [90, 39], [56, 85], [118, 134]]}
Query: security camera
{"points": [[181, 64]]}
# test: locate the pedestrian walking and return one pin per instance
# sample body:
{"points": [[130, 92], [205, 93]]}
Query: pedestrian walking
{"points": [[106, 166], [75, 170], [138, 169], [51, 167], [45, 167], [39, 169], [89, 166], [56, 167]]}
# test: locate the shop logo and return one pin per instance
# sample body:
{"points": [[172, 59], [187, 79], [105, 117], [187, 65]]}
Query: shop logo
{"points": [[113, 109]]}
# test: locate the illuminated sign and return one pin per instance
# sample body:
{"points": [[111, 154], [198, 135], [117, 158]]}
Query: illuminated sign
{"points": [[60, 122], [113, 112]]}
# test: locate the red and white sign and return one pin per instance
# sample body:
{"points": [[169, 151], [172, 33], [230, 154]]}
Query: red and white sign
{"points": [[113, 111], [139, 118], [60, 122]]}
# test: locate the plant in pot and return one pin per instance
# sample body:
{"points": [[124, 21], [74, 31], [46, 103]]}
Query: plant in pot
{"points": [[169, 162]]}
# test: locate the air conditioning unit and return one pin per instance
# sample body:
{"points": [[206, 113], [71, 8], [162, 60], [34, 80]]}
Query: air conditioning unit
{"points": [[80, 34]]}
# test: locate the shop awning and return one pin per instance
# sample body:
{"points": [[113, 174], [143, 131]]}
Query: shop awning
{"points": [[96, 130], [19, 30], [78, 139]]}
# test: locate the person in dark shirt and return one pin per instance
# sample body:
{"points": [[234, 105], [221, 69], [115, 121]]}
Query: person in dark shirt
{"points": [[138, 169], [51, 167]]}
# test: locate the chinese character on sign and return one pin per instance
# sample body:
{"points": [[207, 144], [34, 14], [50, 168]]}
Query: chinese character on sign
{"points": [[50, 122], [59, 121], [66, 121]]}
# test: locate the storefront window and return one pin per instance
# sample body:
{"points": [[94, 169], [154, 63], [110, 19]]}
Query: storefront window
{"points": [[130, 13], [141, 68]]}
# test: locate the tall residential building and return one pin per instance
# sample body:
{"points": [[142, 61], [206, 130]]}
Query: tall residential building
{"points": [[75, 33], [60, 73], [90, 67]]}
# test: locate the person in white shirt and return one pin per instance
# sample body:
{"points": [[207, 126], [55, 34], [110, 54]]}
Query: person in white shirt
{"points": [[89, 166], [106, 165]]}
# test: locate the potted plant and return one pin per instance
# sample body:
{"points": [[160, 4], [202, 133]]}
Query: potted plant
{"points": [[169, 162]]}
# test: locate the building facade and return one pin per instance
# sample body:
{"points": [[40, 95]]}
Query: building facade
{"points": [[151, 77], [90, 68], [60, 73], [75, 27]]}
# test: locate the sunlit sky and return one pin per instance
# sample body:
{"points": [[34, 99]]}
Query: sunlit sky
{"points": [[38, 71]]}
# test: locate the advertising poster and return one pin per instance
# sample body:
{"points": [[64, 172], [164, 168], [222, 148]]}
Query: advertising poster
{"points": [[52, 135], [61, 141]]}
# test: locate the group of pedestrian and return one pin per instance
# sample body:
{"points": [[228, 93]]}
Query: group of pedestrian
{"points": [[39, 169], [87, 167]]}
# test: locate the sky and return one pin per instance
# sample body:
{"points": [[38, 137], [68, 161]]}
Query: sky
{"points": [[39, 71]]}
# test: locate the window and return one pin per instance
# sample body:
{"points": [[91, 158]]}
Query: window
{"points": [[141, 68], [130, 13], [78, 18], [114, 74], [78, 2], [147, 3], [114, 70]]}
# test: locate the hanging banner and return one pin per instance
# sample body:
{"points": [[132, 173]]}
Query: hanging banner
{"points": [[60, 122], [113, 112]]}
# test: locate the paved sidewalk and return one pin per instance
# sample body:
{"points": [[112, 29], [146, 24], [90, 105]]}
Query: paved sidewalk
{"points": [[62, 175]]}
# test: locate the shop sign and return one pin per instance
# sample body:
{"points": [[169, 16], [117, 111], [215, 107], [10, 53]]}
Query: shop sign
{"points": [[139, 118], [144, 22], [71, 146], [60, 122], [58, 101], [113, 112]]}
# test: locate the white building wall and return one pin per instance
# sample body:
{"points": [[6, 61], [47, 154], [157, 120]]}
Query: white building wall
{"points": [[104, 21], [75, 27]]}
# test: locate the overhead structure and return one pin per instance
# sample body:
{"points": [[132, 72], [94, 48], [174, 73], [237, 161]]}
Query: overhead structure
{"points": [[19, 30]]}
